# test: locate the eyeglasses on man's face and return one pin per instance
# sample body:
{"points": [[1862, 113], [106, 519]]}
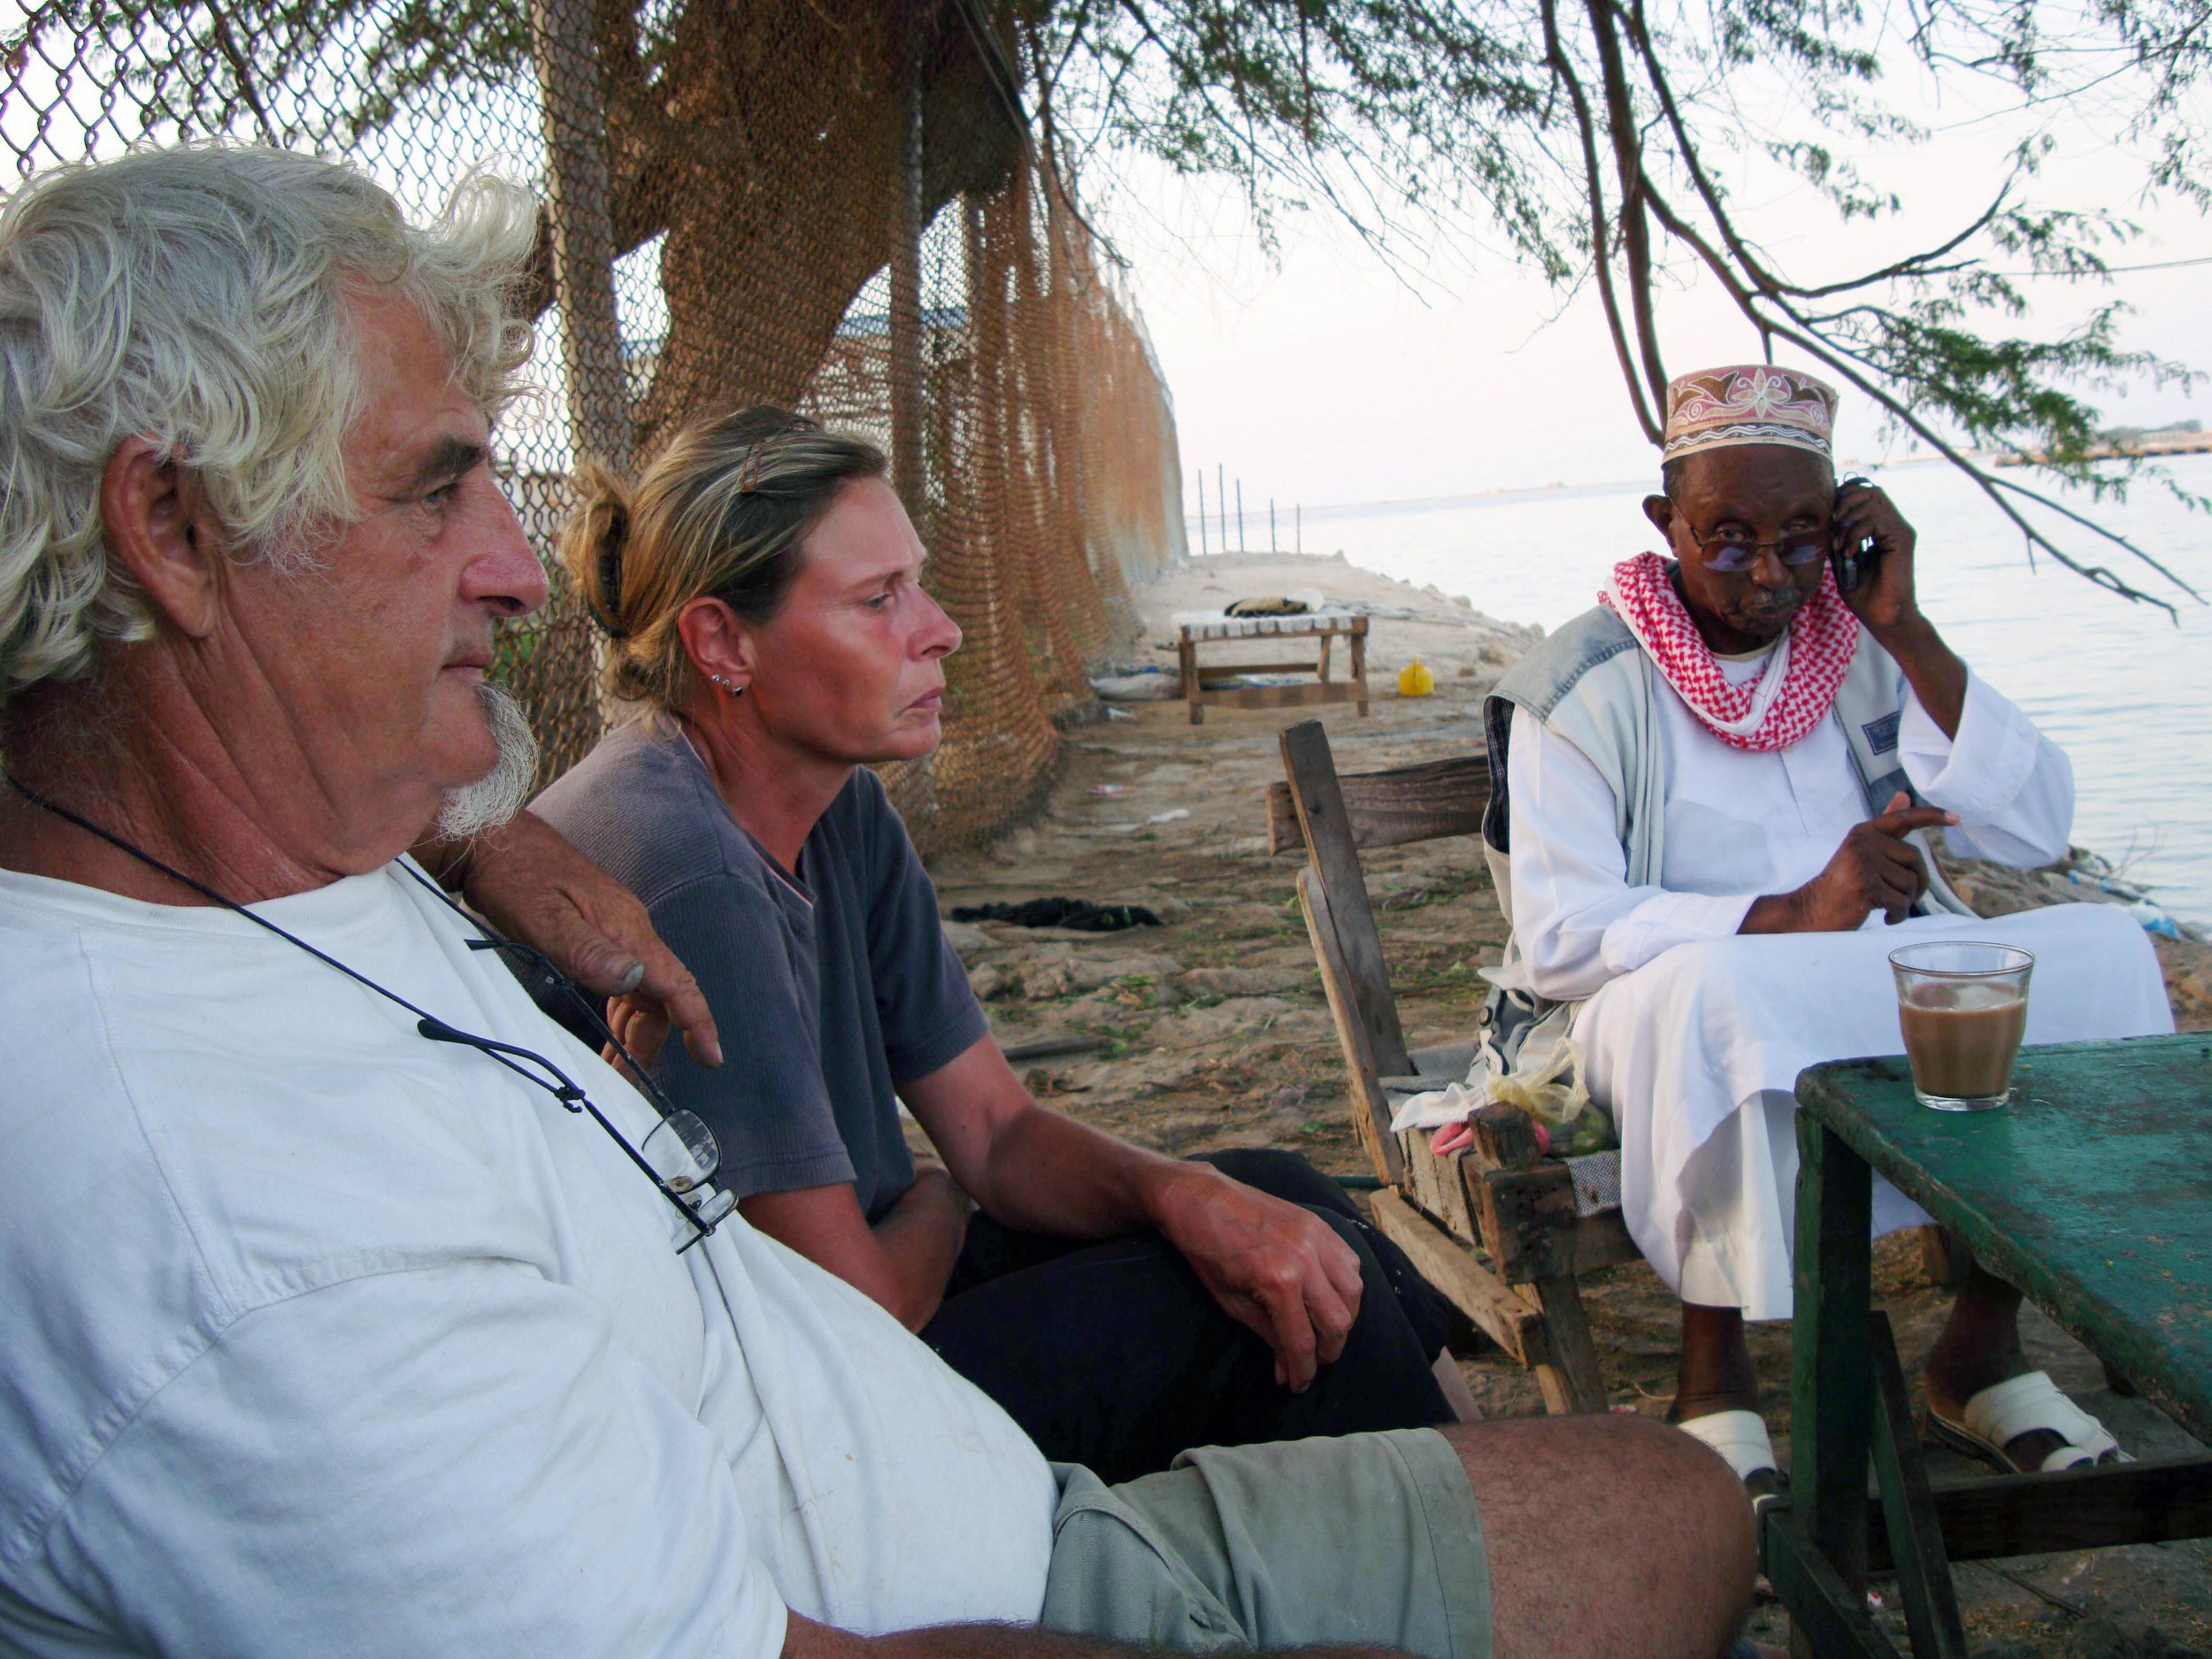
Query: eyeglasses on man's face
{"points": [[1730, 552]]}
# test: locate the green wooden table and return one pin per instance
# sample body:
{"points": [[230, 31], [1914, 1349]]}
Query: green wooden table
{"points": [[2093, 1193]]}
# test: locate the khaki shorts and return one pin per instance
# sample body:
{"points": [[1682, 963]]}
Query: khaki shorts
{"points": [[1363, 1538]]}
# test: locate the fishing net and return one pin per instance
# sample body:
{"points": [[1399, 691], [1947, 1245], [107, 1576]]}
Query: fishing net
{"points": [[827, 204]]}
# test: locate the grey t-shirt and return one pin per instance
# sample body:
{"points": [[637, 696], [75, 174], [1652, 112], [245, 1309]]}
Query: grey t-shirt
{"points": [[828, 990]]}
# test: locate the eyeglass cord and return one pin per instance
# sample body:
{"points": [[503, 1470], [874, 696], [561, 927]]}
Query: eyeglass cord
{"points": [[428, 1025]]}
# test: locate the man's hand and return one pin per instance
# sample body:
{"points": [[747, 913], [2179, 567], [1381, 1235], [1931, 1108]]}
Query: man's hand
{"points": [[1276, 1269], [1876, 869], [526, 880], [1885, 600]]}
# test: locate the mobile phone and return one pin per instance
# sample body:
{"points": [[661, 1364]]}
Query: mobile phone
{"points": [[1852, 558]]}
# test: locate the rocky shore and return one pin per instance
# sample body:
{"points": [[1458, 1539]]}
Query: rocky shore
{"points": [[1210, 1030]]}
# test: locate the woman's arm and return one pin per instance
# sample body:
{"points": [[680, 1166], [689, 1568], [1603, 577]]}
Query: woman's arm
{"points": [[1274, 1268], [902, 1263]]}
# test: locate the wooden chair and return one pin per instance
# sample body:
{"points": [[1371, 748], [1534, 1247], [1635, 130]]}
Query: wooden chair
{"points": [[1500, 1230]]}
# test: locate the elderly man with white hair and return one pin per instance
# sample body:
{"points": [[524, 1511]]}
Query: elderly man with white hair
{"points": [[351, 1306]]}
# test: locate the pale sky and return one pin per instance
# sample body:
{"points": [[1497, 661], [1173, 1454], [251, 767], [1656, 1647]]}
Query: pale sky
{"points": [[1326, 380]]}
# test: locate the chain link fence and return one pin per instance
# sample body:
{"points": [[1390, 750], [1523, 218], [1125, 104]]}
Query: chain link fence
{"points": [[834, 204]]}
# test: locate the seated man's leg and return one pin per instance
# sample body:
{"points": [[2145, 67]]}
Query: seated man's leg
{"points": [[1696, 1055], [1553, 1538], [1114, 1357]]}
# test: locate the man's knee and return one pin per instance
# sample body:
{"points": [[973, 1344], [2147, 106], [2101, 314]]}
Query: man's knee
{"points": [[1660, 1527], [1707, 1489], [1685, 1488]]}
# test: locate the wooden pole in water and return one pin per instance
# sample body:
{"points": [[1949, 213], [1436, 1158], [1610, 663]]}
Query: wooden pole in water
{"points": [[1240, 515], [1221, 504], [1271, 525], [1298, 519], [1201, 512]]}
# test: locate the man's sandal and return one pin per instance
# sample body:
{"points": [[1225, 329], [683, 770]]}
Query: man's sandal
{"points": [[2001, 1414], [1741, 1438]]}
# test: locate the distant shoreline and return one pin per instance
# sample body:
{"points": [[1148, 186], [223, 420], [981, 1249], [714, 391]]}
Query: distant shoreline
{"points": [[1503, 492]]}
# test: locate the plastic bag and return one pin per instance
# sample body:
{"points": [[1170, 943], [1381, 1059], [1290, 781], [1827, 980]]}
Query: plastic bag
{"points": [[1549, 1088], [1415, 679]]}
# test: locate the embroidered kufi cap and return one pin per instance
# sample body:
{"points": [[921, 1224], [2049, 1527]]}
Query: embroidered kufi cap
{"points": [[1748, 403]]}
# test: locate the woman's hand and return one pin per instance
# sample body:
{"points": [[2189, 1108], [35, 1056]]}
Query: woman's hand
{"points": [[1275, 1269]]}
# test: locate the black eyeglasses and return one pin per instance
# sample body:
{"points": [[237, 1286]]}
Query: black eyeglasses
{"points": [[678, 1156], [1730, 553]]}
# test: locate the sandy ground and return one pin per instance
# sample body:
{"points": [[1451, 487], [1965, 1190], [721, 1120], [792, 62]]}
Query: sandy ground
{"points": [[1211, 1031]]}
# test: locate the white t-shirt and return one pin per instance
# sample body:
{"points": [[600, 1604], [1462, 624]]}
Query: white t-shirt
{"points": [[321, 1338]]}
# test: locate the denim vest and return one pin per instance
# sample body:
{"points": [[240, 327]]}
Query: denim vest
{"points": [[1592, 684]]}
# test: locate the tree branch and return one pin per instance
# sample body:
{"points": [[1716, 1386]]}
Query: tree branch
{"points": [[1601, 263], [1620, 119]]}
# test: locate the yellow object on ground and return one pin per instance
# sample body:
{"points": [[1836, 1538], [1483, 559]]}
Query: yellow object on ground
{"points": [[1415, 679]]}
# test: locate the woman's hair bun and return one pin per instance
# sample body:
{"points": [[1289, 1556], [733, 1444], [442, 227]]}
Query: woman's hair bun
{"points": [[592, 541]]}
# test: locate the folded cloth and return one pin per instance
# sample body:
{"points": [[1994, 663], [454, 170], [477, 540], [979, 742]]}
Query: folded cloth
{"points": [[1080, 914]]}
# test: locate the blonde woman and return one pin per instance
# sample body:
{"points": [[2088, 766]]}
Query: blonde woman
{"points": [[762, 587]]}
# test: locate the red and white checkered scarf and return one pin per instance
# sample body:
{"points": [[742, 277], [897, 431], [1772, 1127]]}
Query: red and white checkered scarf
{"points": [[1779, 708]]}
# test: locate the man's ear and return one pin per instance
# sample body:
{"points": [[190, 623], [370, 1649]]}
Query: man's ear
{"points": [[720, 644], [159, 525], [1660, 510]]}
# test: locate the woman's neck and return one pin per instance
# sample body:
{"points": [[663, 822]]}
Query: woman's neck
{"points": [[777, 792]]}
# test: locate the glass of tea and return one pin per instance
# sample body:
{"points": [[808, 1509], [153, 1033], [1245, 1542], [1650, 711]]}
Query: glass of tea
{"points": [[1963, 1008]]}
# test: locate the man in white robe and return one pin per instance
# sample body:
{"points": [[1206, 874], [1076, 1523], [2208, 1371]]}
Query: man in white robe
{"points": [[1714, 791]]}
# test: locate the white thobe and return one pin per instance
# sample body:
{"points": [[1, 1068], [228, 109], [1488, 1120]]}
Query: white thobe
{"points": [[1693, 1034]]}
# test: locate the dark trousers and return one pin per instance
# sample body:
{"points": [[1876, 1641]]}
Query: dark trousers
{"points": [[1114, 1357]]}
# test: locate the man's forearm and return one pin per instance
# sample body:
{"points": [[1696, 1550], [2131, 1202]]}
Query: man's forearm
{"points": [[1936, 672], [921, 1238], [444, 858], [1048, 1173], [1774, 913]]}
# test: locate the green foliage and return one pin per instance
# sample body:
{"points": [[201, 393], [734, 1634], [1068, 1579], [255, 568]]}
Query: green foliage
{"points": [[314, 71], [1592, 140], [512, 648], [1596, 139]]}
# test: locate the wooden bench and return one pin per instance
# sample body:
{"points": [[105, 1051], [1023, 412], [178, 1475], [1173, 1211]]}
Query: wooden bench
{"points": [[1501, 1231], [1325, 626]]}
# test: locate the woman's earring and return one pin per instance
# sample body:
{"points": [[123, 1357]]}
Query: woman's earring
{"points": [[734, 689]]}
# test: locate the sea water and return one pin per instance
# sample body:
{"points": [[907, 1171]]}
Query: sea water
{"points": [[2125, 691]]}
